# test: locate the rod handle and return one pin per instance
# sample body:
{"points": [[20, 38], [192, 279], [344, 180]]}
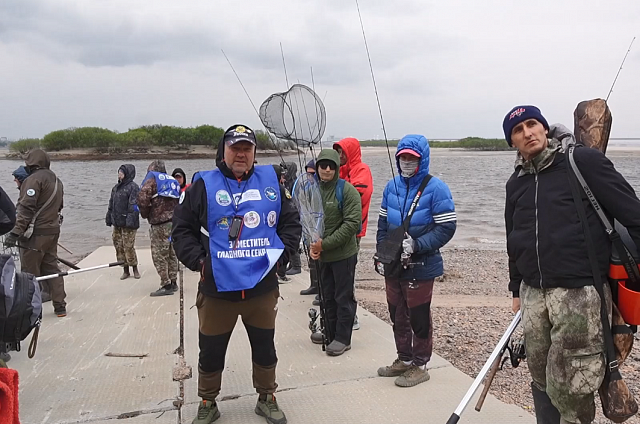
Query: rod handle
{"points": [[487, 383], [453, 419]]}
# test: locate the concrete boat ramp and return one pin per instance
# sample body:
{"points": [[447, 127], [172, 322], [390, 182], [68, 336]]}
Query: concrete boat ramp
{"points": [[120, 356]]}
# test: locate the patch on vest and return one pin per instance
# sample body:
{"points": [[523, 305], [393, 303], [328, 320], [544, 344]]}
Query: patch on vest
{"points": [[162, 177], [271, 218], [182, 197], [31, 192], [223, 223], [252, 219], [271, 193], [223, 198]]}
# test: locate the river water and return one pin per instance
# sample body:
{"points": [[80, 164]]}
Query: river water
{"points": [[476, 180]]}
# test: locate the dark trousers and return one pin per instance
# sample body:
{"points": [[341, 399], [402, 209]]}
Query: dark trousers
{"points": [[337, 281], [217, 319], [43, 263], [314, 268], [410, 310]]}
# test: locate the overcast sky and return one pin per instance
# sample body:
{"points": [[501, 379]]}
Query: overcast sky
{"points": [[446, 69]]}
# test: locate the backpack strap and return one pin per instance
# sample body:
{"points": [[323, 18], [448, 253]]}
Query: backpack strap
{"points": [[414, 203], [340, 192]]}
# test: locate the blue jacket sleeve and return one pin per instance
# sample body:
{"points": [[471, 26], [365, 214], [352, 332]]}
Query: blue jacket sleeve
{"points": [[444, 219], [382, 217]]}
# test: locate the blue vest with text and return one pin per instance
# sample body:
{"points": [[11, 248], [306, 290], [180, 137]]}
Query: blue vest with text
{"points": [[242, 264], [167, 185]]}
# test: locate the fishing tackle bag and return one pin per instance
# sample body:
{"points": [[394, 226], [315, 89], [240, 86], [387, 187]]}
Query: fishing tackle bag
{"points": [[20, 306], [592, 124]]}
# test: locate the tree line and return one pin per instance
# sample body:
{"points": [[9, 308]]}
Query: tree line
{"points": [[136, 139]]}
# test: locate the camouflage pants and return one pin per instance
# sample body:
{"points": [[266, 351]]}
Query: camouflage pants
{"points": [[565, 346], [124, 240], [164, 258]]}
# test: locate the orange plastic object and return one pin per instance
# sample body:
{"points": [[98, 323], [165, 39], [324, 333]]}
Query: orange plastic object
{"points": [[629, 304]]}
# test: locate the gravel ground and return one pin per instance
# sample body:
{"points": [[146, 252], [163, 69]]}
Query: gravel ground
{"points": [[466, 336]]}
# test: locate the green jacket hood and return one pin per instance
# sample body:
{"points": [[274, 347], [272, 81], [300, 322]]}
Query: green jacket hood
{"points": [[37, 159], [333, 156]]}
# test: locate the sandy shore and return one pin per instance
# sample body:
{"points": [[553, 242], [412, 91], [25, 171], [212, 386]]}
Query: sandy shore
{"points": [[471, 309]]}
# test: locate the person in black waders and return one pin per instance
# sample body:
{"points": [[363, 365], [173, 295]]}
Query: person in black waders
{"points": [[236, 225]]}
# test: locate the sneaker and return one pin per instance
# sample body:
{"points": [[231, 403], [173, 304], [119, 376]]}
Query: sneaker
{"points": [[4, 356], [336, 348], [394, 370], [413, 376], [294, 271], [268, 407], [162, 291], [356, 323], [283, 278], [310, 290], [316, 301], [173, 286], [207, 413], [60, 313], [317, 337]]}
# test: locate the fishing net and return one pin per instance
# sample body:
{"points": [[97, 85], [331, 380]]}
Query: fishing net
{"points": [[296, 115], [306, 194]]}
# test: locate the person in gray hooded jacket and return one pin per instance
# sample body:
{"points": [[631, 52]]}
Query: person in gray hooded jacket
{"points": [[124, 216]]}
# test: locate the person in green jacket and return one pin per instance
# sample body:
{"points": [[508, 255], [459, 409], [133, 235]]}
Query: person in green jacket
{"points": [[338, 253]]}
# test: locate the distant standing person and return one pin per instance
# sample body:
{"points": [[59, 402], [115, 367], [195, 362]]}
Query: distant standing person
{"points": [[123, 214], [37, 226], [356, 172], [157, 199], [181, 178]]}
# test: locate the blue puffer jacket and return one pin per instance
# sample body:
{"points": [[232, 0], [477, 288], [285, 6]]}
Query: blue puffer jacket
{"points": [[434, 221]]}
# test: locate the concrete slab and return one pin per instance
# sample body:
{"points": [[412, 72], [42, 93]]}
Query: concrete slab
{"points": [[374, 400], [165, 417], [71, 379]]}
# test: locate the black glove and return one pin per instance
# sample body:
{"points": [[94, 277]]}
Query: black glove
{"points": [[11, 240]]}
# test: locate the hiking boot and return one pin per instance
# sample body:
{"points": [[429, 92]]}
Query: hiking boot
{"points": [[4, 356], [60, 313], [310, 290], [413, 376], [125, 273], [336, 348], [173, 286], [394, 370], [316, 301], [207, 413], [268, 407], [293, 271], [46, 297], [162, 291], [316, 337], [136, 274], [356, 323]]}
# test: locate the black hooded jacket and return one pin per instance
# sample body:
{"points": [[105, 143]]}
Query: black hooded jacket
{"points": [[192, 246], [123, 209], [7, 213], [291, 173]]}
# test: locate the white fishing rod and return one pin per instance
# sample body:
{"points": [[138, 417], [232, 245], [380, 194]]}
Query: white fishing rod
{"points": [[499, 350], [92, 268]]}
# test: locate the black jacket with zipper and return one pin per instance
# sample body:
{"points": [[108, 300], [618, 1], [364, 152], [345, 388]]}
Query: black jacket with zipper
{"points": [[545, 239], [192, 246]]}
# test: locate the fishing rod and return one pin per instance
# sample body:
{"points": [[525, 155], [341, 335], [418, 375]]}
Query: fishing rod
{"points": [[92, 268], [62, 261], [252, 104], [375, 88], [620, 69]]}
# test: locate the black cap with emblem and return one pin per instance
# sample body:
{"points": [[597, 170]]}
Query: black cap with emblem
{"points": [[237, 133]]}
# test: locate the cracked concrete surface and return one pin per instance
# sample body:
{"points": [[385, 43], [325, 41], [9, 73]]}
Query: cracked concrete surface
{"points": [[71, 381]]}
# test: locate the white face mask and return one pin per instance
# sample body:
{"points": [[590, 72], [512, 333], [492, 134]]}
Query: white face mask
{"points": [[408, 168]]}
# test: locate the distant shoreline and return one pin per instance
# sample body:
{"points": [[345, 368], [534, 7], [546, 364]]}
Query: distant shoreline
{"points": [[198, 152]]}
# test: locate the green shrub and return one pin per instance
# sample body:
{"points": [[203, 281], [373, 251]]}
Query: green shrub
{"points": [[24, 145]]}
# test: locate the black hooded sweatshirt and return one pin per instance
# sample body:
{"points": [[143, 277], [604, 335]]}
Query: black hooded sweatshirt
{"points": [[123, 209]]}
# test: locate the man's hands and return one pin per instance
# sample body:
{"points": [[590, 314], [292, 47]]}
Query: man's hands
{"points": [[316, 249], [408, 245], [515, 305], [11, 240]]}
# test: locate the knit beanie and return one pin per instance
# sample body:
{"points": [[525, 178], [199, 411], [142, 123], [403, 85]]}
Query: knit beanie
{"points": [[519, 114]]}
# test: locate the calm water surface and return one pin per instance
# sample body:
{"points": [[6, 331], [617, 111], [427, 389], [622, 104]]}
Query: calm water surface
{"points": [[476, 180]]}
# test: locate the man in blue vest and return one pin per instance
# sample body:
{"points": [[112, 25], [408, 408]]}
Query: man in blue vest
{"points": [[236, 225]]}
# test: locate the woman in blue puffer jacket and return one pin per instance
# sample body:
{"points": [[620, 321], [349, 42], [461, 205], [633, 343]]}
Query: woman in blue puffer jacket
{"points": [[432, 226]]}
